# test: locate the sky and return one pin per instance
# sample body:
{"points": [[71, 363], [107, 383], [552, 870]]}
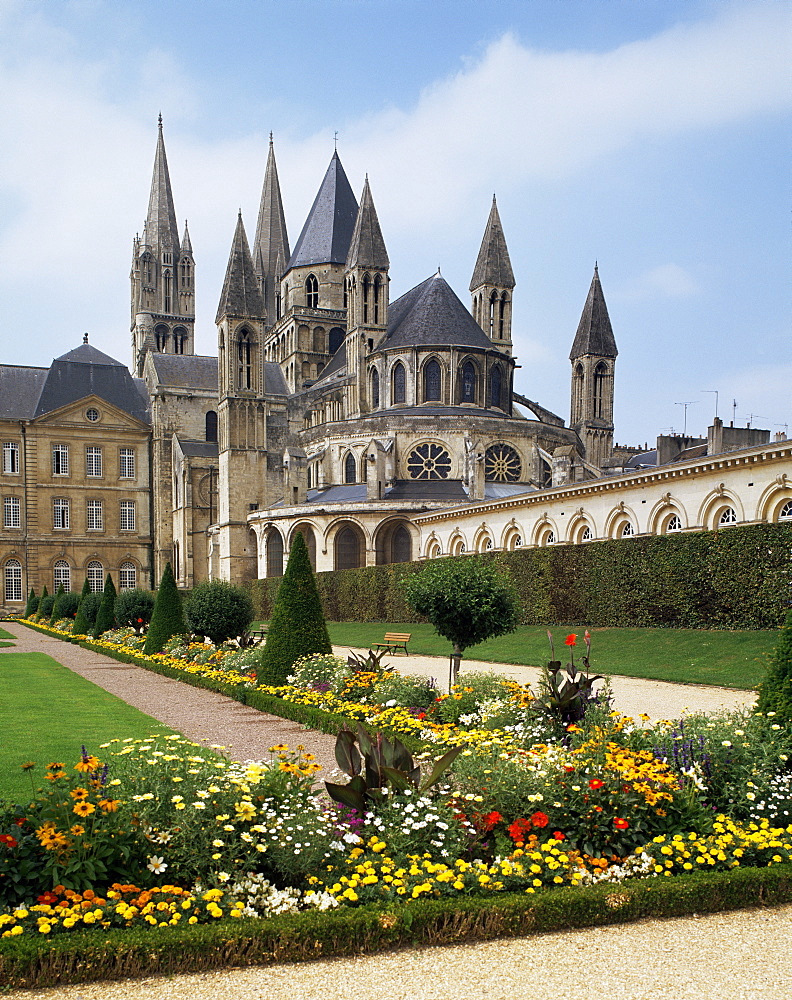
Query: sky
{"points": [[651, 136]]}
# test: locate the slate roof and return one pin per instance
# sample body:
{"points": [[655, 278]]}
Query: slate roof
{"points": [[271, 244], [432, 315], [20, 388], [451, 490], [274, 380], [188, 371], [199, 449], [161, 228], [85, 372], [241, 295], [327, 232], [367, 247], [502, 491], [594, 333], [493, 266], [336, 364]]}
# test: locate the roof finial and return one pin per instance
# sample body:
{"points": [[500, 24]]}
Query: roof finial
{"points": [[335, 140], [596, 267], [159, 121], [85, 338], [270, 137]]}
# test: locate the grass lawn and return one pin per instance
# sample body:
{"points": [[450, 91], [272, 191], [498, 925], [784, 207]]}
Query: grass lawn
{"points": [[687, 656], [5, 635], [47, 712]]}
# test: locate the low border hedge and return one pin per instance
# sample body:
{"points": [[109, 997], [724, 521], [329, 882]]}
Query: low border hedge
{"points": [[87, 956]]}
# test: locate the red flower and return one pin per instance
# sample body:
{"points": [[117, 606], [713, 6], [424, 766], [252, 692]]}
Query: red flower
{"points": [[491, 819], [569, 768], [596, 783], [539, 819], [520, 829], [620, 824], [47, 897], [557, 835], [8, 840], [570, 640]]}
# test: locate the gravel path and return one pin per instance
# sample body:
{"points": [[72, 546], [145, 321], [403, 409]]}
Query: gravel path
{"points": [[726, 956]]}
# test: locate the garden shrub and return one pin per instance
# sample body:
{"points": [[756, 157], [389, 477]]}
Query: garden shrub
{"points": [[167, 619], [775, 691], [134, 607], [45, 607], [55, 613], [67, 605], [321, 671], [32, 604], [408, 691], [105, 617], [478, 696], [219, 610], [81, 623], [87, 612]]}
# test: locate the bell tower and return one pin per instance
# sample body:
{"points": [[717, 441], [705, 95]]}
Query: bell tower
{"points": [[492, 284]]}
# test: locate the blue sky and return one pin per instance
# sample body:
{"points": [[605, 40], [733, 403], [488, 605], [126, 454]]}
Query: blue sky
{"points": [[653, 137]]}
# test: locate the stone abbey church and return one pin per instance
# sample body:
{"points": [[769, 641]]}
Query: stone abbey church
{"points": [[330, 409]]}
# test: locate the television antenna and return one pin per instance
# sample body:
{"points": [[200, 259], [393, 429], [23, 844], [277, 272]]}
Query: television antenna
{"points": [[690, 402]]}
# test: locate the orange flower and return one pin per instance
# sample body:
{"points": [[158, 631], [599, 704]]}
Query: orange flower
{"points": [[109, 805], [596, 783], [79, 793], [84, 808], [571, 640], [540, 819], [557, 835], [87, 764], [620, 824]]}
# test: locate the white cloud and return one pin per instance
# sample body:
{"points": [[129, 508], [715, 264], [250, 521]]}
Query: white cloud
{"points": [[667, 281]]}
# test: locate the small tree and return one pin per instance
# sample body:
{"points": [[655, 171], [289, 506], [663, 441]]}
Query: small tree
{"points": [[775, 691], [467, 600], [42, 599], [135, 608], [56, 605], [82, 623], [297, 627], [167, 619], [218, 609], [32, 604], [105, 619]]}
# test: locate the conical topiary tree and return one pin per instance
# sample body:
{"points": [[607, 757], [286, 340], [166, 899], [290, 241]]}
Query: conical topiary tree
{"points": [[56, 604], [81, 625], [44, 596], [32, 604], [167, 619], [775, 691], [105, 620], [297, 627]]}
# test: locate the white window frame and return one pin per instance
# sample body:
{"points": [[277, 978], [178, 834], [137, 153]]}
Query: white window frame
{"points": [[61, 574], [93, 462], [94, 515], [12, 512], [12, 574], [11, 458], [60, 460], [61, 513], [126, 463], [127, 576], [128, 518], [95, 574]]}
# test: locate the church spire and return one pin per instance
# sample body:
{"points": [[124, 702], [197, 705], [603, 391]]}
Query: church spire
{"points": [[367, 246], [594, 333], [186, 245], [493, 266], [272, 240], [162, 232], [327, 232], [241, 296]]}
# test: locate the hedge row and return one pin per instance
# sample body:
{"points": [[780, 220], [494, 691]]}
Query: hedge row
{"points": [[736, 578], [88, 956]]}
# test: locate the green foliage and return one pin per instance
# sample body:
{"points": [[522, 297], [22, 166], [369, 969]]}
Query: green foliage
{"points": [[297, 627], [55, 614], [105, 617], [775, 691], [167, 618], [408, 691], [67, 605], [135, 608], [566, 693], [32, 604], [45, 607], [323, 671], [219, 610], [82, 623]]}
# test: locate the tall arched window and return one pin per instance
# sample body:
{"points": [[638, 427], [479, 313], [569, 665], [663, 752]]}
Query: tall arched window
{"points": [[161, 338], [312, 292], [496, 382], [348, 548], [245, 358], [274, 553], [399, 381], [502, 316], [377, 290], [186, 273], [601, 374], [401, 545], [13, 580], [492, 306], [432, 382], [350, 469], [95, 574], [61, 575], [468, 394], [366, 289], [127, 576], [310, 542], [179, 339], [375, 395], [211, 425], [577, 392], [166, 291]]}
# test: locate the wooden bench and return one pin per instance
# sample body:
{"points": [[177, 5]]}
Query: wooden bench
{"points": [[394, 641], [257, 635]]}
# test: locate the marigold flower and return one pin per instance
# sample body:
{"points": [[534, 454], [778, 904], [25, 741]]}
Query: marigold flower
{"points": [[540, 819], [558, 835]]}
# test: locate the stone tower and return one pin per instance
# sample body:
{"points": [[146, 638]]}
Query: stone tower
{"points": [[366, 281], [271, 245], [163, 275], [492, 284], [593, 358], [242, 411]]}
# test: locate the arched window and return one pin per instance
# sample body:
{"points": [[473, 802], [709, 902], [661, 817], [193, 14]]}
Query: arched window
{"points": [[502, 316], [577, 393], [496, 382], [399, 381], [311, 292], [727, 516], [375, 395], [366, 288], [401, 545], [627, 530], [186, 272], [179, 339], [432, 382], [468, 383], [161, 338], [61, 575], [95, 574], [146, 268], [166, 291], [13, 580], [319, 340], [492, 306], [786, 511], [377, 291], [211, 425], [245, 358], [674, 524], [585, 534], [127, 576], [274, 553], [350, 469], [347, 548], [336, 338], [601, 375]]}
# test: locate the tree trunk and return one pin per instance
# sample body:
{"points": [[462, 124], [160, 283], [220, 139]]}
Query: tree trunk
{"points": [[456, 659]]}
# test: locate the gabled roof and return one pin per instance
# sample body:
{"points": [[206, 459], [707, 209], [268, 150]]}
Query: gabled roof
{"points": [[327, 232], [187, 371], [161, 228], [367, 248], [20, 388], [594, 333], [431, 314], [493, 266], [241, 295]]}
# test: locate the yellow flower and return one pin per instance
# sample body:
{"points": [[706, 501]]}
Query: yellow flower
{"points": [[84, 808]]}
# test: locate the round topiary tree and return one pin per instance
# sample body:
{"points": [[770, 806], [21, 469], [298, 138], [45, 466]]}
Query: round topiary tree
{"points": [[82, 623], [297, 627], [67, 605], [105, 618], [45, 608], [135, 608], [219, 610], [167, 619], [466, 599], [775, 691], [32, 604]]}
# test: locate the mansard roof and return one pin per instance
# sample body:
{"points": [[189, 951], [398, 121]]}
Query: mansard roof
{"points": [[430, 315], [367, 248], [493, 266], [594, 333], [20, 388], [327, 232], [161, 228], [187, 371], [241, 295]]}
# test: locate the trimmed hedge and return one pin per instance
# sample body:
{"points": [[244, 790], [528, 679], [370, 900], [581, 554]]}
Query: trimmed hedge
{"points": [[89, 956], [736, 578]]}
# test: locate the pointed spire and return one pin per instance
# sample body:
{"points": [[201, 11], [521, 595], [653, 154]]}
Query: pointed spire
{"points": [[367, 247], [594, 333], [241, 295], [271, 239], [186, 245], [161, 228], [327, 232], [493, 266]]}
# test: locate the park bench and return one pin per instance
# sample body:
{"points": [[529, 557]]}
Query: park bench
{"points": [[257, 635], [394, 641]]}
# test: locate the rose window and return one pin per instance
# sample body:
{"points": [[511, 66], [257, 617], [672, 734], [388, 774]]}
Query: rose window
{"points": [[502, 464], [428, 461]]}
